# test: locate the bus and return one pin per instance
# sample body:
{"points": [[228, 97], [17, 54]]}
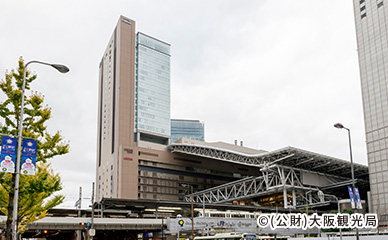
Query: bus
{"points": [[273, 237], [229, 236], [252, 215]]}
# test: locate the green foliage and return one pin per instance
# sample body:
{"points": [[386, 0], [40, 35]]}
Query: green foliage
{"points": [[34, 191], [348, 211], [35, 115], [34, 194]]}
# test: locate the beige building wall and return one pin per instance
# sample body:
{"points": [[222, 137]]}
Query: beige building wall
{"points": [[116, 110]]}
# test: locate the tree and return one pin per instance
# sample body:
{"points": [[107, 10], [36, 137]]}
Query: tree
{"points": [[34, 194], [48, 145]]}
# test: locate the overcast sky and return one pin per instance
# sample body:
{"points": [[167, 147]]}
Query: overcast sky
{"points": [[270, 73]]}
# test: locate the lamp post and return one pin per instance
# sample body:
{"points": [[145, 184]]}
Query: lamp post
{"points": [[339, 210], [62, 69], [340, 126]]}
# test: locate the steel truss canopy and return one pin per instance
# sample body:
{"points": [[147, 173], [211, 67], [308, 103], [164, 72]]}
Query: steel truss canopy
{"points": [[289, 156], [274, 179]]}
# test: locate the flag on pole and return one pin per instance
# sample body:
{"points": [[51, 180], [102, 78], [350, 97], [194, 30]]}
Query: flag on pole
{"points": [[351, 195], [358, 198], [28, 163], [8, 154]]}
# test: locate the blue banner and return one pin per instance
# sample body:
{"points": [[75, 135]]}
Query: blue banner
{"points": [[8, 154], [350, 189], [358, 198], [28, 164]]}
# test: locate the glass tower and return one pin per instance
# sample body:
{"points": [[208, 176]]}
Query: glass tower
{"points": [[193, 129], [152, 89], [371, 18]]}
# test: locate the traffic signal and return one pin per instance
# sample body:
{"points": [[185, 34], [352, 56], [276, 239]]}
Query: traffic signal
{"points": [[86, 225]]}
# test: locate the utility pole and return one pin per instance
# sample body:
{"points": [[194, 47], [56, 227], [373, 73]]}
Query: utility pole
{"points": [[92, 221], [192, 214], [78, 205]]}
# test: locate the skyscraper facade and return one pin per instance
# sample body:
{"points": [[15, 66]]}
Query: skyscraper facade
{"points": [[152, 89], [134, 106], [371, 18], [192, 129]]}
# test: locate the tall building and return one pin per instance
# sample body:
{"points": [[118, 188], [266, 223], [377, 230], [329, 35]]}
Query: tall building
{"points": [[134, 105], [133, 161], [192, 129], [371, 18]]}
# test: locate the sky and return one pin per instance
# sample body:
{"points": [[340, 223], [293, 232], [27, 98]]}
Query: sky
{"points": [[269, 73]]}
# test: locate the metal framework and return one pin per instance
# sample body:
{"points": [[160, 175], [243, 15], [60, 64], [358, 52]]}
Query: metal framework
{"points": [[289, 156], [282, 172], [274, 179], [216, 153]]}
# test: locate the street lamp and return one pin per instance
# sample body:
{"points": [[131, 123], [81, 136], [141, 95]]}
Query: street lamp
{"points": [[340, 126], [339, 210], [62, 69]]}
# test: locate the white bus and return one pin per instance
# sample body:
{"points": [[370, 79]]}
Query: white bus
{"points": [[252, 215], [229, 236], [273, 237]]}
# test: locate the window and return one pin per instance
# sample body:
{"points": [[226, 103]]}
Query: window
{"points": [[362, 1], [380, 4], [363, 15], [362, 9]]}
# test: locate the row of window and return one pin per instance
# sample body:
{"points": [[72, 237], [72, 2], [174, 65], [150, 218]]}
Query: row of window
{"points": [[148, 92], [363, 7], [154, 70], [152, 129], [152, 104], [153, 43], [153, 99], [157, 112]]}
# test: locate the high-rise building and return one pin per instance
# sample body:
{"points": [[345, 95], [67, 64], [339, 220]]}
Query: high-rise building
{"points": [[133, 161], [134, 105], [192, 129], [371, 18]]}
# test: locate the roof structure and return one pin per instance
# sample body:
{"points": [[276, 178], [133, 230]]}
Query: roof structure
{"points": [[288, 156]]}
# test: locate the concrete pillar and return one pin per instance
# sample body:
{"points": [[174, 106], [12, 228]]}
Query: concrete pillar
{"points": [[78, 234], [293, 198]]}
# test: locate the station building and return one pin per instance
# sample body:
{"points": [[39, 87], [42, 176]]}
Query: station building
{"points": [[137, 161]]}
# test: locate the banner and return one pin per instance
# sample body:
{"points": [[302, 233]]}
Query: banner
{"points": [[28, 163], [8, 154], [350, 189], [358, 198]]}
